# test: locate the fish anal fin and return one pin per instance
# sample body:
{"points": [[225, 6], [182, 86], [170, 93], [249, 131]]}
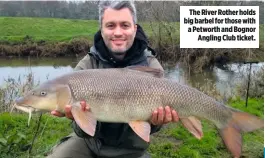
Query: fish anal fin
{"points": [[142, 129], [85, 120], [151, 71], [193, 125]]}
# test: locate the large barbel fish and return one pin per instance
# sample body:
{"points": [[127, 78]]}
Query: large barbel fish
{"points": [[130, 95]]}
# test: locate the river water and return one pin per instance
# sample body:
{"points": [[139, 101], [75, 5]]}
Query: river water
{"points": [[225, 78]]}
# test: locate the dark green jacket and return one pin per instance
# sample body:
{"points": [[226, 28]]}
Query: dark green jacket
{"points": [[114, 135]]}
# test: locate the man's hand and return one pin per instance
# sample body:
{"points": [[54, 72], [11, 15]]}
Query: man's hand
{"points": [[164, 115], [68, 112]]}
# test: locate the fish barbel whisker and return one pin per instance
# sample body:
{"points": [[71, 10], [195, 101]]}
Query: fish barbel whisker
{"points": [[26, 109], [30, 114]]}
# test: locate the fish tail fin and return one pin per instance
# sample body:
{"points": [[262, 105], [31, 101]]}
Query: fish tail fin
{"points": [[231, 132]]}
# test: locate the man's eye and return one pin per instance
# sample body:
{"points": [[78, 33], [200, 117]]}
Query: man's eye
{"points": [[126, 26], [110, 26], [43, 93]]}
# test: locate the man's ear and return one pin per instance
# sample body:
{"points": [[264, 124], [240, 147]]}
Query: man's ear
{"points": [[135, 29]]}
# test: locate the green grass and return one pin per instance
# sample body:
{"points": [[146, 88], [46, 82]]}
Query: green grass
{"points": [[15, 29], [14, 130], [173, 141]]}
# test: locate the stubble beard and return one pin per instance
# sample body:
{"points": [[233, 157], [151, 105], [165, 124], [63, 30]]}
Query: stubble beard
{"points": [[120, 54]]}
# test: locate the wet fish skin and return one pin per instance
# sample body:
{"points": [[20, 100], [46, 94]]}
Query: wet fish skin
{"points": [[141, 95], [129, 96]]}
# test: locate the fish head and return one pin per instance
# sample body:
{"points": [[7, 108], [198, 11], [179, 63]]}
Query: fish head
{"points": [[46, 97]]}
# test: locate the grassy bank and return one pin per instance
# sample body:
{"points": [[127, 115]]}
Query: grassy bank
{"points": [[17, 29], [50, 37], [16, 137]]}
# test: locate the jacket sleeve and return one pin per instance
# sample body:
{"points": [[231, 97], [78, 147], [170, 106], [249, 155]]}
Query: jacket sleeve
{"points": [[154, 63], [84, 63]]}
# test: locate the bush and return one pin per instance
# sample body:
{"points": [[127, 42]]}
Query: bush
{"points": [[256, 86]]}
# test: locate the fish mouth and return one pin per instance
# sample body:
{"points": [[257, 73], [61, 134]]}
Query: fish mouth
{"points": [[26, 108]]}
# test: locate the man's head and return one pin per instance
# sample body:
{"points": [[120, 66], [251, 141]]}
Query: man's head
{"points": [[118, 25]]}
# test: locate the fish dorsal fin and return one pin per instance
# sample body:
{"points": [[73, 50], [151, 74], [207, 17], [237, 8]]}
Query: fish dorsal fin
{"points": [[151, 71]]}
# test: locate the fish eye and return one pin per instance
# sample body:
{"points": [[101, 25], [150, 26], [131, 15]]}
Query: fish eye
{"points": [[43, 93]]}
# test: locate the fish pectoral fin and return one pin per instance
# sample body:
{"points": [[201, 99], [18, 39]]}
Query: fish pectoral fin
{"points": [[193, 125], [142, 129], [85, 120]]}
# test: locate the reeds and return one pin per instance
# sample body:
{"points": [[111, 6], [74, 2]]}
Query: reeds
{"points": [[13, 88], [256, 84]]}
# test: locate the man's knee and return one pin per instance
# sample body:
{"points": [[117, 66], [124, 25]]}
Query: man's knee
{"points": [[145, 155], [70, 147]]}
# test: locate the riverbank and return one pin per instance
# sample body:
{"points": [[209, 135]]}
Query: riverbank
{"points": [[172, 141], [50, 37]]}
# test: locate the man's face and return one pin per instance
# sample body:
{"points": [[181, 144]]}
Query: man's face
{"points": [[118, 31]]}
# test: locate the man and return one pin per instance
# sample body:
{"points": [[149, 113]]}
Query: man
{"points": [[119, 43]]}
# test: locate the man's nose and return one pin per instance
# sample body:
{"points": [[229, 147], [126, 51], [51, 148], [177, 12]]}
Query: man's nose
{"points": [[118, 31]]}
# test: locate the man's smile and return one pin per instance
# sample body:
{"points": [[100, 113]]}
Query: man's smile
{"points": [[118, 41]]}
